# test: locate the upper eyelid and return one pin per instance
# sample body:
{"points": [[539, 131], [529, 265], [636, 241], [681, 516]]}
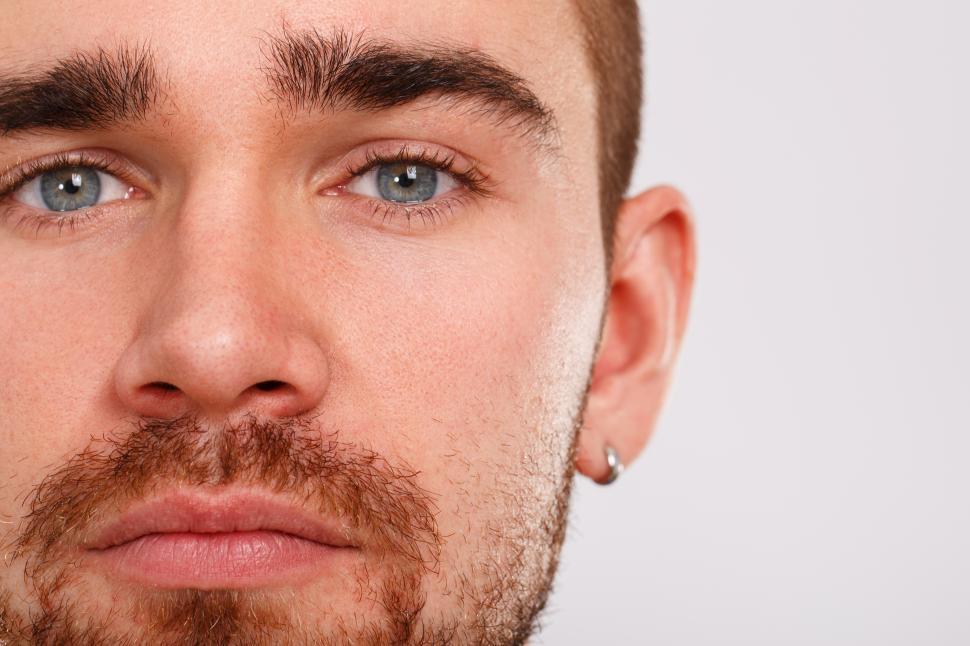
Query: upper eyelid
{"points": [[374, 163], [468, 171], [16, 176]]}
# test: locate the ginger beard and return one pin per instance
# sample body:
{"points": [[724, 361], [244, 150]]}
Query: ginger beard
{"points": [[492, 596]]}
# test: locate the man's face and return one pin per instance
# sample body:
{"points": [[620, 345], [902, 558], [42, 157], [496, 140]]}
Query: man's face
{"points": [[295, 342]]}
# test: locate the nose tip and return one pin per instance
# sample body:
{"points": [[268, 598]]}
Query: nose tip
{"points": [[219, 362], [220, 327]]}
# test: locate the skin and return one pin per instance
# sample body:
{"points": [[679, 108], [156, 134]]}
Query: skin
{"points": [[492, 352]]}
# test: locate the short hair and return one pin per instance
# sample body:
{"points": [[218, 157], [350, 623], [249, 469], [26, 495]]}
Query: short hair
{"points": [[611, 32]]}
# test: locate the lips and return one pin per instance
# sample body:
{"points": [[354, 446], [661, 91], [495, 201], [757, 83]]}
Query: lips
{"points": [[233, 539]]}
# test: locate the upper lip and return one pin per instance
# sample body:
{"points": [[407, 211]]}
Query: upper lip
{"points": [[206, 512]]}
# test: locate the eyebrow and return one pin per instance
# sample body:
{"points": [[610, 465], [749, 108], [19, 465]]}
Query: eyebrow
{"points": [[84, 91], [310, 71], [306, 71]]}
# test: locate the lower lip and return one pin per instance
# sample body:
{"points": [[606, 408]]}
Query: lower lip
{"points": [[219, 560]]}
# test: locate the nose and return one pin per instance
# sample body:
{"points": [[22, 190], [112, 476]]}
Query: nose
{"points": [[221, 334]]}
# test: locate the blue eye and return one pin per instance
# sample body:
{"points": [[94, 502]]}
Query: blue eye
{"points": [[71, 188], [403, 182], [407, 183]]}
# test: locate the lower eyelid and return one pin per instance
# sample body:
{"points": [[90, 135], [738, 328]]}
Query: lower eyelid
{"points": [[425, 214]]}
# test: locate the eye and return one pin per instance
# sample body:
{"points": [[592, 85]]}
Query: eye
{"points": [[71, 188], [403, 182]]}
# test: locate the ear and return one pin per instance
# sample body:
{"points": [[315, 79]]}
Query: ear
{"points": [[651, 280]]}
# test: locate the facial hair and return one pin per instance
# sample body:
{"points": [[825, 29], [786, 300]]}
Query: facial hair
{"points": [[291, 457]]}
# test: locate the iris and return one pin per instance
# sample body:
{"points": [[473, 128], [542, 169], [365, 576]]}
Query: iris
{"points": [[70, 188], [407, 183]]}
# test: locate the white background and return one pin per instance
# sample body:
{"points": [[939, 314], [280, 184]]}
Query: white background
{"points": [[809, 480]]}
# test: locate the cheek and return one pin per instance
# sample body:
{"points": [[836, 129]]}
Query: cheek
{"points": [[62, 329], [55, 344], [471, 362], [474, 367], [67, 324]]}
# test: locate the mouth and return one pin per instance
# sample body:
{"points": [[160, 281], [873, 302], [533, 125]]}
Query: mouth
{"points": [[204, 540]]}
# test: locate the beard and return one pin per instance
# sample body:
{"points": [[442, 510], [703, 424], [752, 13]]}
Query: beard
{"points": [[495, 596]]}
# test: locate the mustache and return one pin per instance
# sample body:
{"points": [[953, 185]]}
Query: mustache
{"points": [[380, 500]]}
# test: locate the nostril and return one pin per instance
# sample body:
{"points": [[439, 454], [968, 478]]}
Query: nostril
{"points": [[269, 386], [162, 385]]}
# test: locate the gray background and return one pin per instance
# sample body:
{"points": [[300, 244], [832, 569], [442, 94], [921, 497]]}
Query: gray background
{"points": [[808, 481]]}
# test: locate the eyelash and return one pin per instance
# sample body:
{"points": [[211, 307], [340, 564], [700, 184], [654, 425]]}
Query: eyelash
{"points": [[472, 179], [13, 180], [475, 182]]}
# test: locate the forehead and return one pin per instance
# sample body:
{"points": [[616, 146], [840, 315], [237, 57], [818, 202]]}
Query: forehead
{"points": [[206, 49]]}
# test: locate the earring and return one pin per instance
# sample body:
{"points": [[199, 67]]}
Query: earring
{"points": [[616, 467]]}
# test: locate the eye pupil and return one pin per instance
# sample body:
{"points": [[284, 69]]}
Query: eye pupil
{"points": [[406, 183], [74, 185], [69, 189], [407, 178]]}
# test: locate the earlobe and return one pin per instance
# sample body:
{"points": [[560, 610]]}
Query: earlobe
{"points": [[651, 282]]}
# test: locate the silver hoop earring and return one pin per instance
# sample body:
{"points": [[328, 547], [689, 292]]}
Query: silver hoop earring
{"points": [[616, 467]]}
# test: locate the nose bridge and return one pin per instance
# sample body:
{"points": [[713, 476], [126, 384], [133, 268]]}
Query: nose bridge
{"points": [[219, 305], [220, 333], [226, 230]]}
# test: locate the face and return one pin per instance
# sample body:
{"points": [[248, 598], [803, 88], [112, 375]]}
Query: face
{"points": [[301, 302]]}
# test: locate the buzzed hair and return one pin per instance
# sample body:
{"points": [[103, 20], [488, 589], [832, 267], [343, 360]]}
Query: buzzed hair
{"points": [[611, 31]]}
